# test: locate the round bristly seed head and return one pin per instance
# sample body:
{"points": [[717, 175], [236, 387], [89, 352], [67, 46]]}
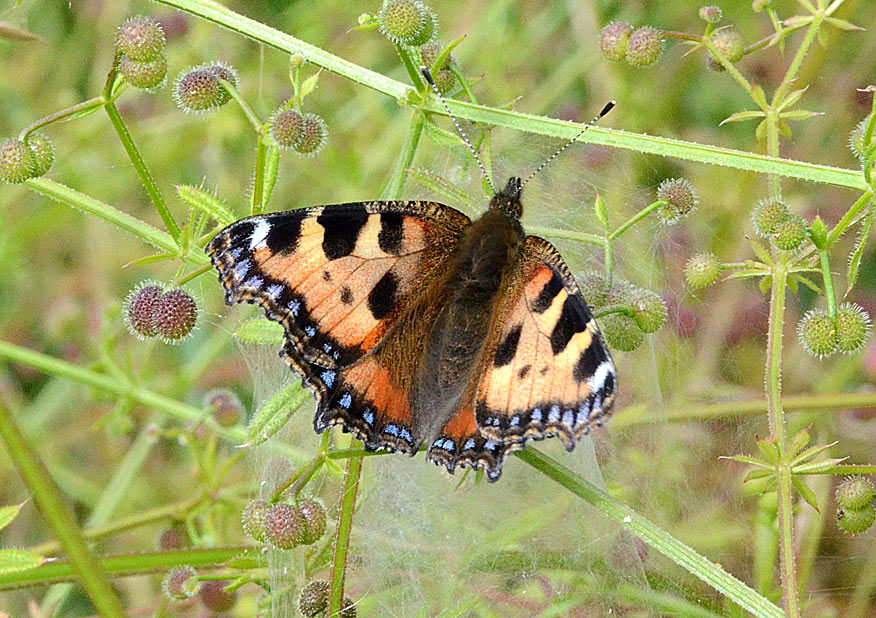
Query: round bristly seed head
{"points": [[348, 608], [314, 135], [621, 332], [644, 47], [768, 215], [43, 153], [614, 40], [855, 492], [214, 596], [140, 38], [287, 128], [285, 527], [711, 14], [197, 89], [729, 42], [429, 54], [16, 161], [817, 333], [139, 309], [702, 270], [856, 521], [144, 74], [649, 309], [594, 288], [176, 316], [790, 234], [314, 598], [853, 328], [407, 22], [314, 515], [180, 583], [681, 199], [857, 137], [255, 518]]}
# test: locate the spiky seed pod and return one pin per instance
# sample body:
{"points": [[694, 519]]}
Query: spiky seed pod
{"points": [[644, 47], [287, 128], [711, 14], [141, 39], [855, 492], [817, 333], [143, 74], [180, 583], [313, 136], [16, 161], [139, 309], [856, 139], [176, 316], [620, 332], [445, 80], [348, 608], [314, 598], [614, 40], [595, 289], [681, 199], [768, 215], [790, 234], [197, 89], [853, 328], [43, 153], [702, 270], [407, 22], [314, 515], [650, 310], [429, 54], [285, 527], [214, 596], [856, 521], [226, 406], [729, 42], [254, 519]]}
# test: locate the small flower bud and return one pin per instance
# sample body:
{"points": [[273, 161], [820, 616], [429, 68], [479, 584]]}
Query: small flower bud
{"points": [[856, 521], [43, 153], [702, 270], [314, 515], [176, 315], [313, 135], [173, 538], [214, 596], [254, 519], [817, 333], [768, 215], [620, 332], [285, 527], [644, 48], [856, 139], [855, 492], [287, 128], [144, 74], [614, 40], [197, 89], [180, 583], [226, 406], [791, 233], [729, 42], [348, 608], [407, 22], [710, 14], [16, 161], [140, 38], [314, 598], [139, 309], [681, 199], [649, 309], [853, 328]]}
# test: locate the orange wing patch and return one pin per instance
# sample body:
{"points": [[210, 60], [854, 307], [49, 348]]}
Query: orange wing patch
{"points": [[548, 371]]}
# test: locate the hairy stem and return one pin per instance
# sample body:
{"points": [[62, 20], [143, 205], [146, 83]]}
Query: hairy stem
{"points": [[342, 536]]}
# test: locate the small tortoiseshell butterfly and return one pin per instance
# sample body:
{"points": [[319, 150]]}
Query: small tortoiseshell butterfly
{"points": [[413, 324]]}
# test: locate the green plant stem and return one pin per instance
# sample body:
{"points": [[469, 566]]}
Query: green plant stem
{"points": [[406, 156], [647, 210], [797, 61], [257, 204], [248, 111], [141, 169], [772, 137], [79, 108], [304, 473], [826, 275], [342, 536], [848, 218], [48, 498], [675, 550]]}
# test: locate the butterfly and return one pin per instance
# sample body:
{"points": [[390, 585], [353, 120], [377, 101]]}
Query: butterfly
{"points": [[414, 325]]}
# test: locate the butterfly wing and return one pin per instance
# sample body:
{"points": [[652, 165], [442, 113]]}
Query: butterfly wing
{"points": [[548, 371], [336, 277]]}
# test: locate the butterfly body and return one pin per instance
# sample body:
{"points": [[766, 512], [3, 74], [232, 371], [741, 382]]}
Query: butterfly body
{"points": [[414, 325]]}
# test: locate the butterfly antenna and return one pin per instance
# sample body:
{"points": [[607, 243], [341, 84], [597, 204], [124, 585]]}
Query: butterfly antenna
{"points": [[465, 139], [607, 108]]}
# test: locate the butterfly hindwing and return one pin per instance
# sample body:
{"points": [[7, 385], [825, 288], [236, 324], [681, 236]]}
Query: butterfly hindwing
{"points": [[547, 371], [337, 278]]}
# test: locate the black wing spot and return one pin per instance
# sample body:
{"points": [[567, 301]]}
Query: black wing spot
{"points": [[391, 234], [346, 295], [572, 320], [382, 297], [508, 348], [545, 298], [283, 236], [543, 370], [590, 359], [524, 371], [326, 275], [341, 230]]}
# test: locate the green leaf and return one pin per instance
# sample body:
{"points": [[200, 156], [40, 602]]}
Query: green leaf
{"points": [[760, 131], [817, 467], [151, 259], [601, 212], [785, 130], [760, 463], [201, 200], [757, 474], [8, 513], [810, 453], [799, 442], [858, 252], [260, 331], [791, 99], [770, 449], [758, 96], [792, 283], [15, 560], [842, 24], [740, 116], [808, 283], [799, 114], [805, 492], [765, 284], [441, 137], [275, 413], [249, 559], [762, 254], [308, 86]]}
